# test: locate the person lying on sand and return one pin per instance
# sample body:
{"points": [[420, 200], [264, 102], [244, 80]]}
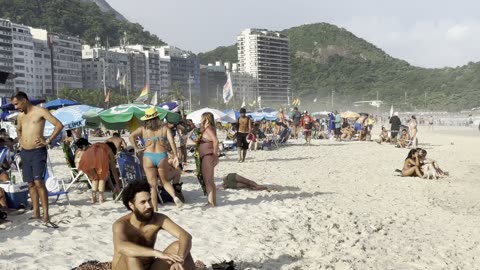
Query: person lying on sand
{"points": [[235, 181], [411, 166], [135, 234]]}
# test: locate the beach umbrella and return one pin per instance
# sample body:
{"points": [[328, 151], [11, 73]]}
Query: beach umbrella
{"points": [[232, 114], [196, 116], [71, 117], [123, 116], [59, 103], [266, 110], [259, 116], [170, 106], [349, 114]]}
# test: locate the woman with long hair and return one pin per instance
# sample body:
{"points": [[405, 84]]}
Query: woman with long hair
{"points": [[208, 154], [411, 166], [155, 158]]}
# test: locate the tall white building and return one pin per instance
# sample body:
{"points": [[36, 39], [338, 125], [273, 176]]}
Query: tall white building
{"points": [[266, 56], [6, 56], [43, 63], [66, 58], [24, 61], [152, 64]]}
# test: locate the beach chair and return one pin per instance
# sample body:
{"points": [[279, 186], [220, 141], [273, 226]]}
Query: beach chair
{"points": [[51, 181], [129, 169], [75, 173]]}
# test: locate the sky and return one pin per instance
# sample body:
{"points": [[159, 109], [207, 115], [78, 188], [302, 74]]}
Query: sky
{"points": [[426, 33]]}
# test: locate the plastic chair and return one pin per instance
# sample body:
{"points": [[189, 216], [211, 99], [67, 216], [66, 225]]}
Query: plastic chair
{"points": [[129, 169]]}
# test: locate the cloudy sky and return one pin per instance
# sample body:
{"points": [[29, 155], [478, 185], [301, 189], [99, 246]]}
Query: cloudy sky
{"points": [[426, 33]]}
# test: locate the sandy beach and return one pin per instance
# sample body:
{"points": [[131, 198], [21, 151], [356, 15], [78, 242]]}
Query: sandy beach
{"points": [[334, 206]]}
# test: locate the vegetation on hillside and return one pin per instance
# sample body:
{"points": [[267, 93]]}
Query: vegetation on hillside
{"points": [[225, 54], [326, 59], [76, 18]]}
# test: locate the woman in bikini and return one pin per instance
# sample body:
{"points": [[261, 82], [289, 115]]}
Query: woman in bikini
{"points": [[155, 157], [411, 166], [208, 151]]}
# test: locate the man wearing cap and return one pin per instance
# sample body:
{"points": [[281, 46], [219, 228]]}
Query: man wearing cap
{"points": [[244, 128]]}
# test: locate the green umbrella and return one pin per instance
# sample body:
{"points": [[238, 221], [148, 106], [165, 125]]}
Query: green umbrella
{"points": [[119, 116]]}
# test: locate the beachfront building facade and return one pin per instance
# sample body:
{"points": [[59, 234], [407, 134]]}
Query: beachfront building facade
{"points": [[152, 66], [24, 60], [212, 80], [184, 70], [6, 56], [265, 55], [43, 64], [99, 63]]}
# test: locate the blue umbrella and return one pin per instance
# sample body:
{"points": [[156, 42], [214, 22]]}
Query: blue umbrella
{"points": [[170, 106], [71, 117], [233, 114], [59, 103]]}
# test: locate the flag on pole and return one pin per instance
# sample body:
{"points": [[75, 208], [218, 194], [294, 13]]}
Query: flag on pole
{"points": [[143, 95], [391, 111], [123, 82], [107, 97], [253, 103], [154, 99], [228, 89], [315, 100], [243, 104], [118, 74], [259, 100], [296, 102]]}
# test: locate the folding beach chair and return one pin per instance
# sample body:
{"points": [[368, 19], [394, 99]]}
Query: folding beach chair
{"points": [[75, 173], [129, 169], [52, 181]]}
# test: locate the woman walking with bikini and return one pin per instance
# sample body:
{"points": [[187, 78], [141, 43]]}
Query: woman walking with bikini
{"points": [[155, 157], [208, 153]]}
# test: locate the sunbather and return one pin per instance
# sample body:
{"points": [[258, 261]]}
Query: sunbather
{"points": [[411, 166], [384, 136], [135, 234], [235, 181], [404, 139], [424, 160]]}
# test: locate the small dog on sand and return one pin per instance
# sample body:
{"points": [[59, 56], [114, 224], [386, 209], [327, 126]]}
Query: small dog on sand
{"points": [[429, 172]]}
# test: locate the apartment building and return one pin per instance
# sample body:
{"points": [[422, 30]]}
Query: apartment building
{"points": [[24, 61], [265, 55], [6, 56], [99, 63]]}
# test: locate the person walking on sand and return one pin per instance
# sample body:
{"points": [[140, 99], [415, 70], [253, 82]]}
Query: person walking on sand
{"points": [[307, 124], [135, 234], [395, 127], [296, 119], [244, 128], [155, 158], [412, 129], [338, 126], [30, 126]]}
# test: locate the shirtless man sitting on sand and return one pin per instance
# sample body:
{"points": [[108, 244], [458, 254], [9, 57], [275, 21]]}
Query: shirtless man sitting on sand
{"points": [[118, 141], [135, 234]]}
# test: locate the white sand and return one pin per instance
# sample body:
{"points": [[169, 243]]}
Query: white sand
{"points": [[338, 206]]}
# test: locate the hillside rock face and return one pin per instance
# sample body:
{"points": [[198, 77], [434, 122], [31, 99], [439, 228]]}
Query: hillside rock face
{"points": [[105, 7]]}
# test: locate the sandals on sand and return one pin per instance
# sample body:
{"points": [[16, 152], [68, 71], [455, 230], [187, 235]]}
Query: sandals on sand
{"points": [[50, 225]]}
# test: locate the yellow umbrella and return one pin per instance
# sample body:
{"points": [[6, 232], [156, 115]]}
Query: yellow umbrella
{"points": [[349, 114]]}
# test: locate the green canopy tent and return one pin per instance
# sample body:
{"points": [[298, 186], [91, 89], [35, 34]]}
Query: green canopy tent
{"points": [[124, 116]]}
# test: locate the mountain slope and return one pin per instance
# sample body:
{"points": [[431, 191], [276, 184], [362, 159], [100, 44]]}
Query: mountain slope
{"points": [[326, 58], [79, 18], [105, 7]]}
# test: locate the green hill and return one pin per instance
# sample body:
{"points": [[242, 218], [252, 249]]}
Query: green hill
{"points": [[79, 18], [326, 58]]}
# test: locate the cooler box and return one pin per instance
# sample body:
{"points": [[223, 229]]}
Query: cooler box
{"points": [[17, 194]]}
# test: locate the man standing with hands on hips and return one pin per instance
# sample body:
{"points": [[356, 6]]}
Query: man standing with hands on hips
{"points": [[30, 124]]}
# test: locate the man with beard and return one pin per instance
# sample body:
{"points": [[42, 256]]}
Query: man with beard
{"points": [[135, 234]]}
